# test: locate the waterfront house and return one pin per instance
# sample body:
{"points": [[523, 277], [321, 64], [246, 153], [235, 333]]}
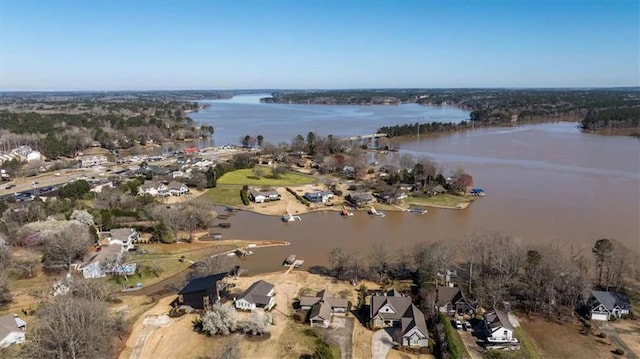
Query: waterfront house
{"points": [[153, 188], [604, 305], [261, 196], [203, 292], [260, 294], [452, 300], [322, 307], [318, 196], [360, 199], [11, 330], [392, 309], [498, 329]]}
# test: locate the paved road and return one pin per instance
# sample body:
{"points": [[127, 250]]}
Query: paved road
{"points": [[381, 343]]}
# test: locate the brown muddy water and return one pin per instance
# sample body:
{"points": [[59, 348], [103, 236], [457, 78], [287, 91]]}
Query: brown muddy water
{"points": [[545, 184]]}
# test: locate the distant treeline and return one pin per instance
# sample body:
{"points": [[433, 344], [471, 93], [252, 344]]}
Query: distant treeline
{"points": [[59, 129], [422, 128], [612, 118], [494, 107]]}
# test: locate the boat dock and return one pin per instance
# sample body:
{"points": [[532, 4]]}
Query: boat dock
{"points": [[296, 264]]}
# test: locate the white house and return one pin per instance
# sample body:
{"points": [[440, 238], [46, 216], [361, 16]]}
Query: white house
{"points": [[498, 328], [177, 189], [259, 196], [11, 330], [90, 161], [34, 156], [260, 294], [154, 188], [125, 237]]}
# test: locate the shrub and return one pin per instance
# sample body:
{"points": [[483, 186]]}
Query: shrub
{"points": [[244, 196], [618, 351]]}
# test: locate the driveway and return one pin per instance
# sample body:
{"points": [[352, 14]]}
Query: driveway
{"points": [[612, 335], [381, 343], [340, 331]]}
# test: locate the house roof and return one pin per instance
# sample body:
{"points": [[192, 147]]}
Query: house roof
{"points": [[258, 292], [320, 311], [8, 324], [175, 185], [398, 303], [413, 318], [498, 319], [446, 295], [323, 296], [203, 283], [121, 234], [611, 299]]}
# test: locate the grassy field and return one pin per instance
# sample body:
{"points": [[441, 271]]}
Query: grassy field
{"points": [[225, 195], [441, 201], [248, 177], [527, 345]]}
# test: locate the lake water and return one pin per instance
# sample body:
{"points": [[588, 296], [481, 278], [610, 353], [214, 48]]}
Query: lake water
{"points": [[245, 115], [545, 183]]}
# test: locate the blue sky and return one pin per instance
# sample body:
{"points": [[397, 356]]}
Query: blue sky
{"points": [[129, 45]]}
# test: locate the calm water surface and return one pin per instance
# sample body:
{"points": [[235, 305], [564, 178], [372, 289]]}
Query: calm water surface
{"points": [[546, 184]]}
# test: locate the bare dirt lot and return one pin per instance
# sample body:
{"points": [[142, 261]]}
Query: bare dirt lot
{"points": [[151, 338], [564, 340]]}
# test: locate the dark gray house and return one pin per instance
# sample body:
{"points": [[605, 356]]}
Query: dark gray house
{"points": [[392, 309], [452, 300], [203, 292], [603, 305]]}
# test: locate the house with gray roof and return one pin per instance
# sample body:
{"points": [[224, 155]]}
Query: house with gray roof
{"points": [[11, 330], [452, 300], [392, 309], [603, 305], [322, 307], [498, 328], [260, 294]]}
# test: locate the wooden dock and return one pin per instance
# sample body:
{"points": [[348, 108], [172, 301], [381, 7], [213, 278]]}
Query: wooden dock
{"points": [[296, 264]]}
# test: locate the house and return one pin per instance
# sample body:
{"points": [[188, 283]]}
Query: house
{"points": [[323, 306], [90, 161], [11, 330], [452, 300], [261, 196], [177, 188], [392, 309], [498, 328], [603, 305], [153, 188], [202, 292], [190, 150], [360, 199], [125, 237], [318, 196], [435, 190], [259, 295], [180, 174]]}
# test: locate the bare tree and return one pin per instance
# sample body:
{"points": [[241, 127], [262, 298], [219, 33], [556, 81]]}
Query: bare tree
{"points": [[65, 245], [379, 258], [93, 290], [470, 246], [70, 327], [5, 293], [212, 265], [23, 268]]}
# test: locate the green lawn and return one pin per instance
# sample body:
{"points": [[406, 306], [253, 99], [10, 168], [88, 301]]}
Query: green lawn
{"points": [[441, 200], [225, 195], [248, 177], [527, 345]]}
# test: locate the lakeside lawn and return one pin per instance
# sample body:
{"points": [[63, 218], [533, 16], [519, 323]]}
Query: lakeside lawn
{"points": [[248, 177], [225, 195], [441, 201]]}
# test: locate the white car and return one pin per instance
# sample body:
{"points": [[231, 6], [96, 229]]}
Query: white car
{"points": [[457, 324]]}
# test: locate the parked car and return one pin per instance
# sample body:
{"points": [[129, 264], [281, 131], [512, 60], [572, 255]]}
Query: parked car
{"points": [[457, 324], [467, 326], [10, 186]]}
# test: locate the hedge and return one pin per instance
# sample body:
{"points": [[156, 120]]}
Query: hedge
{"points": [[454, 343], [298, 197]]}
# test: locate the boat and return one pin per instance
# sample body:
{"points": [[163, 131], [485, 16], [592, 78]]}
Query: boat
{"points": [[241, 252], [417, 210], [373, 212], [290, 218], [289, 260], [346, 213]]}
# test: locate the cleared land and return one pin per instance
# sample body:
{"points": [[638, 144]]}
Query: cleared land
{"points": [[248, 177], [288, 339]]}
